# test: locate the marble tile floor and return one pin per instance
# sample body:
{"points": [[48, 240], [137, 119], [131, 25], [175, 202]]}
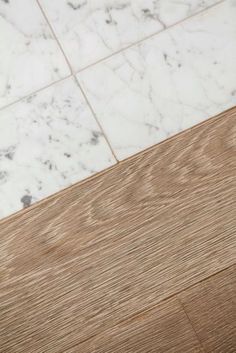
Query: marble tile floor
{"points": [[85, 84]]}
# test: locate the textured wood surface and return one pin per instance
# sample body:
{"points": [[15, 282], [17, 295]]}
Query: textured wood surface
{"points": [[163, 329], [106, 250], [211, 307]]}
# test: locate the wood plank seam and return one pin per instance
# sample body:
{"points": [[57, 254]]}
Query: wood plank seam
{"points": [[190, 322]]}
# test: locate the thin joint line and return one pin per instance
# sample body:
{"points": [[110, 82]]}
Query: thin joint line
{"points": [[109, 56], [35, 92], [74, 75], [164, 29], [55, 36], [97, 120]]}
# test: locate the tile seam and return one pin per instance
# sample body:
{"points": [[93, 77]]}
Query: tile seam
{"points": [[35, 92], [74, 73], [96, 119], [79, 85], [164, 29], [54, 35], [97, 62]]}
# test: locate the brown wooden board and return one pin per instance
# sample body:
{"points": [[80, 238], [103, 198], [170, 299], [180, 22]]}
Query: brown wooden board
{"points": [[211, 307], [102, 251]]}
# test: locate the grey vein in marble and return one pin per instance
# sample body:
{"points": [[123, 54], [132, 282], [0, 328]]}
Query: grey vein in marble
{"points": [[90, 30], [48, 142], [167, 83], [30, 58]]}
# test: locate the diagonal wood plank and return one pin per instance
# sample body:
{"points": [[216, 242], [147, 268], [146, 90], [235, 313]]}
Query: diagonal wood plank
{"points": [[104, 250], [163, 329], [211, 307]]}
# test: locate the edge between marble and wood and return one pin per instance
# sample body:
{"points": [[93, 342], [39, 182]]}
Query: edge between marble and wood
{"points": [[93, 177], [94, 114]]}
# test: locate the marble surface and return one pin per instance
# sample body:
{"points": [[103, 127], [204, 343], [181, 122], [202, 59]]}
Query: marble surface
{"points": [[90, 30], [168, 83], [48, 142], [52, 137], [29, 55]]}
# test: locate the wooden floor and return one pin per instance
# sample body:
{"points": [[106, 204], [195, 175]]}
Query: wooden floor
{"points": [[140, 258]]}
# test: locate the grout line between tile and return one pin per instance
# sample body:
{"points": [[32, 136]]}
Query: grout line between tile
{"points": [[97, 120], [103, 59], [35, 92], [150, 36], [74, 75], [54, 34], [109, 56]]}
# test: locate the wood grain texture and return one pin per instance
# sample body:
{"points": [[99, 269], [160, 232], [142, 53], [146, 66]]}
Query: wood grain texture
{"points": [[101, 252], [163, 329], [211, 307]]}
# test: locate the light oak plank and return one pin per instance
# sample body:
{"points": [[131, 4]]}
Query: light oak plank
{"points": [[104, 250], [163, 329], [211, 307]]}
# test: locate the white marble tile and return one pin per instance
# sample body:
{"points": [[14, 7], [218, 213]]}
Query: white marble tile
{"points": [[168, 83], [29, 56], [47, 142], [90, 30]]}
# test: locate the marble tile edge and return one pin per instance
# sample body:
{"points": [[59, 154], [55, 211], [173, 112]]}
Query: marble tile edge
{"points": [[210, 119]]}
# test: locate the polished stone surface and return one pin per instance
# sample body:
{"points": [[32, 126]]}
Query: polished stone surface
{"points": [[167, 83], [30, 58], [48, 142], [90, 30]]}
